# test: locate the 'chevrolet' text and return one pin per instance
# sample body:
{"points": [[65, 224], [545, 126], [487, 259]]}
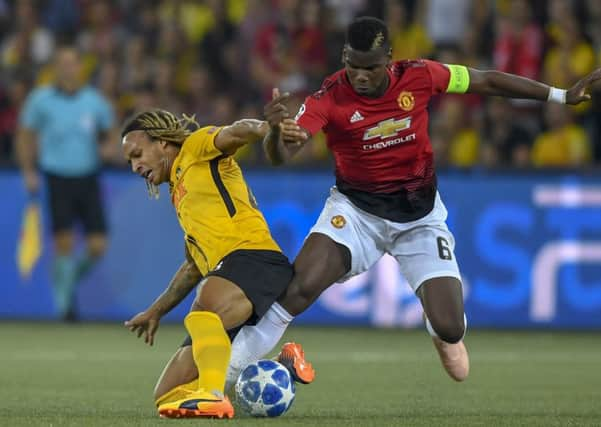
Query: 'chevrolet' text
{"points": [[385, 144]]}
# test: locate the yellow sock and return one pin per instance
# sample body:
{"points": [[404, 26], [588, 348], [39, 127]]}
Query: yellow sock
{"points": [[178, 393], [211, 349]]}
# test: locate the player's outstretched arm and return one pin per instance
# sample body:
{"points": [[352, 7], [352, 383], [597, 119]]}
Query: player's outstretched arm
{"points": [[239, 133], [512, 86], [284, 138], [184, 280]]}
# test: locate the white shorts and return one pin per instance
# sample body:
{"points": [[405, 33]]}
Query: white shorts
{"points": [[424, 248]]}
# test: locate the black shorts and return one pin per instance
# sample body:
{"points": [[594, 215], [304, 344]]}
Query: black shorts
{"points": [[76, 199], [262, 275]]}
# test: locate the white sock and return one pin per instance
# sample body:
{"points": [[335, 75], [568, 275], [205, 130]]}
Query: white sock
{"points": [[433, 333], [254, 342]]}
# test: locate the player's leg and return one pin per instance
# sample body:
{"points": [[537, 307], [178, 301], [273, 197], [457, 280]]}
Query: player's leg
{"points": [[424, 250], [341, 244], [320, 263], [325, 258], [263, 275], [221, 298], [255, 341], [179, 377], [442, 299], [249, 344], [219, 305]]}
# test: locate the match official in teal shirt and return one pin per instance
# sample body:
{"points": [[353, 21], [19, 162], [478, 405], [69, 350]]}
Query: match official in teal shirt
{"points": [[63, 130]]}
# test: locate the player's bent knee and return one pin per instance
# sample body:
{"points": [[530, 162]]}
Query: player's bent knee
{"points": [[450, 332], [236, 313], [233, 309]]}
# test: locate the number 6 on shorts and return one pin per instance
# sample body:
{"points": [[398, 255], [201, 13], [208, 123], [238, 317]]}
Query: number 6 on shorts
{"points": [[443, 249]]}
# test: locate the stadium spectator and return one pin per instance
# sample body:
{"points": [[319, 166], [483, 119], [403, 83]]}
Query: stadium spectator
{"points": [[289, 50], [220, 38], [10, 105], [28, 44], [246, 46], [571, 58], [519, 44], [456, 141], [446, 20], [564, 144], [504, 143], [408, 36], [136, 67]]}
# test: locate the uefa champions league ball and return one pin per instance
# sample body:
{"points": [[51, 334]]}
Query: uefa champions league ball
{"points": [[265, 389]]}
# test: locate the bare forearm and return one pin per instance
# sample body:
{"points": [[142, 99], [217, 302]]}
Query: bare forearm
{"points": [[281, 144], [239, 133], [184, 280], [507, 85], [248, 131], [274, 148], [284, 137], [26, 150]]}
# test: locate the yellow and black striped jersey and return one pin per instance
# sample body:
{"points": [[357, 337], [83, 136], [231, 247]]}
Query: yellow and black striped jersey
{"points": [[214, 205]]}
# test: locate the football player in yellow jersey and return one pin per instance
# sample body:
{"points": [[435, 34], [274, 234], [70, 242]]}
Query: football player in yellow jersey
{"points": [[229, 250]]}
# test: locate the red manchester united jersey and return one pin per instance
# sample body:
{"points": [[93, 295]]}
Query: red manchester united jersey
{"points": [[381, 146]]}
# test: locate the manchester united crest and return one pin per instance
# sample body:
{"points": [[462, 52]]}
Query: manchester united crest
{"points": [[338, 221], [406, 101]]}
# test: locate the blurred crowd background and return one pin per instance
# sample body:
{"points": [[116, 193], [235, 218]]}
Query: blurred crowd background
{"points": [[219, 59]]}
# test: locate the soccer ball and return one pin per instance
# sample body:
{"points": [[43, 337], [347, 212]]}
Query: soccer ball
{"points": [[265, 389]]}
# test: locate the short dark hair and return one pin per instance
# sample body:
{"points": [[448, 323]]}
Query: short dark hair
{"points": [[367, 33]]}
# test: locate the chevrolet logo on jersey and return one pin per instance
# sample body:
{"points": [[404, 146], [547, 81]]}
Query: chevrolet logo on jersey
{"points": [[387, 128]]}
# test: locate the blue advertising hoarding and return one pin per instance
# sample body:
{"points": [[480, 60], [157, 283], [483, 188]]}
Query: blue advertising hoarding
{"points": [[528, 246]]}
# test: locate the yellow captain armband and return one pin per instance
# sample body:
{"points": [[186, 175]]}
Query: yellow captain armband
{"points": [[459, 82]]}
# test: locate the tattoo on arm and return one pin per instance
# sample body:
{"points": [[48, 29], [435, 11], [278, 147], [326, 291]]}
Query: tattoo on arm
{"points": [[182, 283], [239, 133]]}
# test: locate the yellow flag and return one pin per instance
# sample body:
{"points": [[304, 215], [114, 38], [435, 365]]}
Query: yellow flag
{"points": [[29, 247]]}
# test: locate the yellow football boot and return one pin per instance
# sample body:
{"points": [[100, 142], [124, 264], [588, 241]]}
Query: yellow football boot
{"points": [[199, 404]]}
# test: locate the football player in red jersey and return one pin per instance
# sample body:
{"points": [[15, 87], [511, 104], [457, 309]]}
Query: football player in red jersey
{"points": [[374, 113]]}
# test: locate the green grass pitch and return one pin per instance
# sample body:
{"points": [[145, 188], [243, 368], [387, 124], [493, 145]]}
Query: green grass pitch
{"points": [[93, 375]]}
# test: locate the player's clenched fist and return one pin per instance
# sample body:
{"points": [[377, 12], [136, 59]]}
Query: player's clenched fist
{"points": [[292, 132], [277, 115], [145, 323], [276, 111]]}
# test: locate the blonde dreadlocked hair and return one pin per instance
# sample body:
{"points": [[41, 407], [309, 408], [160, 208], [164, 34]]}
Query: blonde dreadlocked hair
{"points": [[162, 125]]}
